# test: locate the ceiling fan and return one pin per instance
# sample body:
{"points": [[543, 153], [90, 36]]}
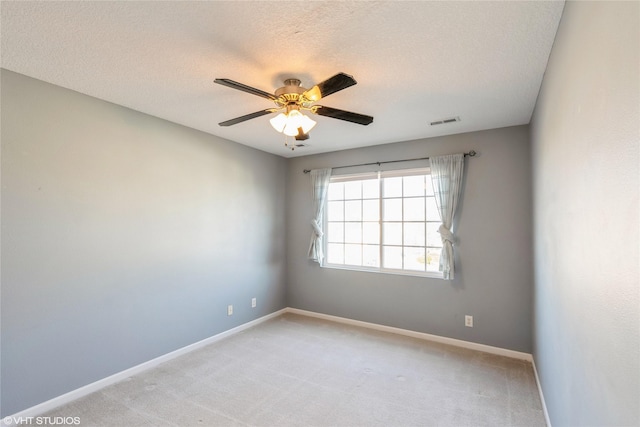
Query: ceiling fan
{"points": [[292, 99]]}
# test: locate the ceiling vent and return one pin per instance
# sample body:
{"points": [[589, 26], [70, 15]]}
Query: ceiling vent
{"points": [[444, 121]]}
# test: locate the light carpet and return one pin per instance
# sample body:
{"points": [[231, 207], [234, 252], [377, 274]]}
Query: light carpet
{"points": [[298, 371]]}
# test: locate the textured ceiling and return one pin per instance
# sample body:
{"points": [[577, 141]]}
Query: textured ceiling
{"points": [[415, 62]]}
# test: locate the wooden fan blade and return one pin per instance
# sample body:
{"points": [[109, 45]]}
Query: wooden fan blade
{"points": [[235, 85], [331, 85], [246, 117], [348, 116]]}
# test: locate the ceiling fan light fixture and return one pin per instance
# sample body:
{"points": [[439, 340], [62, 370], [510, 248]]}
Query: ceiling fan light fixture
{"points": [[290, 122]]}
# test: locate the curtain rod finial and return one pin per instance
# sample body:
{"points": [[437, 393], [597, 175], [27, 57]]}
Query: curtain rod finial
{"points": [[472, 153]]}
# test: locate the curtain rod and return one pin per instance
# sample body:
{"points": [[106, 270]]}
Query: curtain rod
{"points": [[469, 154]]}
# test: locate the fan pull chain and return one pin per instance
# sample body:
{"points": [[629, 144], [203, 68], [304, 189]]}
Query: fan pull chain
{"points": [[289, 142]]}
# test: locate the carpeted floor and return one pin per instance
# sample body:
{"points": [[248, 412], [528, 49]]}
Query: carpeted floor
{"points": [[299, 371]]}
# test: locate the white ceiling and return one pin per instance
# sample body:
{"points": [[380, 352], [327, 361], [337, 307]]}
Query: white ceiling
{"points": [[415, 62]]}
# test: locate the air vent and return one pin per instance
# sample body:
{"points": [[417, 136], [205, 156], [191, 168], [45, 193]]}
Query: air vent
{"points": [[444, 121]]}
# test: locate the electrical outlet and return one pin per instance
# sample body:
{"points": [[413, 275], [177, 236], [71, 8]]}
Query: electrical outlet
{"points": [[468, 321], [229, 310], [253, 303]]}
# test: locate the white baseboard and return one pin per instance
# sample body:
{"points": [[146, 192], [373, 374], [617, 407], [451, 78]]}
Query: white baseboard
{"points": [[44, 407], [51, 404], [544, 404], [420, 335]]}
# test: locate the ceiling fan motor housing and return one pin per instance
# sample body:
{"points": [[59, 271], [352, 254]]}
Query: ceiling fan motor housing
{"points": [[290, 93]]}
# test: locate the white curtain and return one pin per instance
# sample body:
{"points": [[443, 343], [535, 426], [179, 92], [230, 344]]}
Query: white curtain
{"points": [[446, 177], [319, 185]]}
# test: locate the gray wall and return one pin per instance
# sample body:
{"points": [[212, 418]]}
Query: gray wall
{"points": [[124, 237], [494, 268], [585, 138]]}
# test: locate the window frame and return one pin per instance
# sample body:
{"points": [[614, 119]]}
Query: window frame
{"points": [[380, 175]]}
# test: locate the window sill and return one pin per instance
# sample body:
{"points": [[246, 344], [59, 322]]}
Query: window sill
{"points": [[430, 275]]}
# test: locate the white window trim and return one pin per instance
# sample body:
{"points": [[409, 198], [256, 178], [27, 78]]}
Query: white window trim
{"points": [[380, 270], [431, 274]]}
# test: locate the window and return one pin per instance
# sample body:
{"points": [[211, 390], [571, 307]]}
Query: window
{"points": [[384, 222]]}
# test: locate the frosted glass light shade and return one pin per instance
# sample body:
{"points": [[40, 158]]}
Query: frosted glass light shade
{"points": [[279, 122], [289, 124], [290, 129], [307, 124]]}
